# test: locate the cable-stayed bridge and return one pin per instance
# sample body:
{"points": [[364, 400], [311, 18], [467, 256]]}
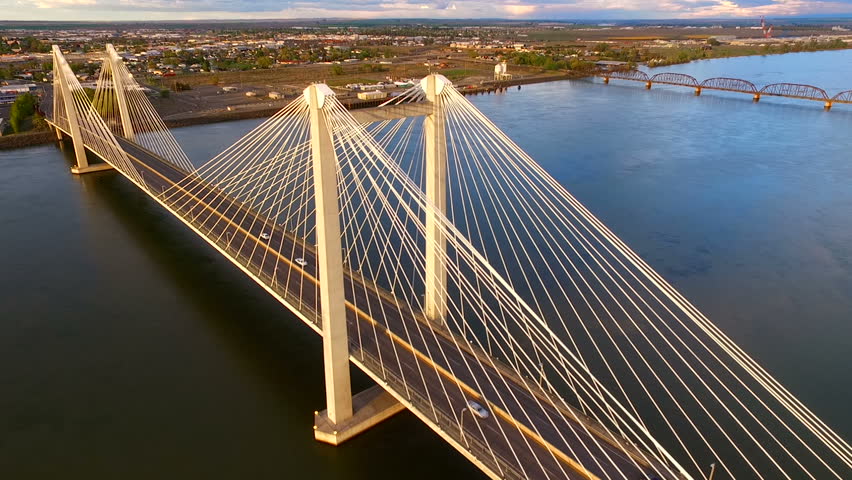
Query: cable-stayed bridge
{"points": [[433, 253]]}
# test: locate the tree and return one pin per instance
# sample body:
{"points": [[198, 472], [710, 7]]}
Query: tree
{"points": [[337, 70], [39, 123], [264, 62], [21, 111]]}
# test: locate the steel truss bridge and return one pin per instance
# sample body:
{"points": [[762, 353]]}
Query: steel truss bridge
{"points": [[430, 251], [738, 85]]}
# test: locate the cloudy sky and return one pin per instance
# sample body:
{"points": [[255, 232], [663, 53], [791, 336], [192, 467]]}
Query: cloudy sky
{"points": [[534, 9]]}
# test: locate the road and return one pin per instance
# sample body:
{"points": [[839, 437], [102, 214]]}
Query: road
{"points": [[526, 435]]}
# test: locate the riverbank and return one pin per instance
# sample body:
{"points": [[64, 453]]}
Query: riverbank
{"points": [[667, 57], [28, 139], [244, 112]]}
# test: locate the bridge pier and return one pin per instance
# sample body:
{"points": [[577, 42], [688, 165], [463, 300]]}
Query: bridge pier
{"points": [[82, 165], [606, 80], [435, 299], [648, 85], [697, 91], [345, 416], [372, 406], [756, 97], [98, 167], [335, 339], [828, 105]]}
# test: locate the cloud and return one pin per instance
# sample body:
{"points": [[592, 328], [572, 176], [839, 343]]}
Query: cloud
{"points": [[360, 9], [61, 3], [520, 10]]}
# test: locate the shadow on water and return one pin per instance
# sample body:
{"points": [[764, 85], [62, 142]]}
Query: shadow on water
{"points": [[280, 353], [201, 374]]}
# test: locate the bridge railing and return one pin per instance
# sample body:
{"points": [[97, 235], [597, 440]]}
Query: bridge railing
{"points": [[447, 424], [308, 311]]}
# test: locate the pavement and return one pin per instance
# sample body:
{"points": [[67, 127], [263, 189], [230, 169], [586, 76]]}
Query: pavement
{"points": [[526, 435]]}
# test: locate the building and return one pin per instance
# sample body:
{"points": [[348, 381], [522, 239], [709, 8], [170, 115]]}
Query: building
{"points": [[610, 64], [501, 72], [374, 95], [724, 38], [10, 93]]}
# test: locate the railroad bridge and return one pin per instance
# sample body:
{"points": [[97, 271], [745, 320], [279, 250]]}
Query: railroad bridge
{"points": [[737, 85]]}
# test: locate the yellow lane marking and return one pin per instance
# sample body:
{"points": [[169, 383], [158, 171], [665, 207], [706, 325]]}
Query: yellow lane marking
{"points": [[527, 431], [523, 428]]}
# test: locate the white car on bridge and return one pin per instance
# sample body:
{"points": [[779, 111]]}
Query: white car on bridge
{"points": [[477, 409]]}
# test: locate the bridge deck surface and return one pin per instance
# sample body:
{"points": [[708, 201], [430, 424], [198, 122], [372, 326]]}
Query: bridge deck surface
{"points": [[429, 367]]}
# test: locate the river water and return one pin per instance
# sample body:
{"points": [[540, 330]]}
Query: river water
{"points": [[129, 349]]}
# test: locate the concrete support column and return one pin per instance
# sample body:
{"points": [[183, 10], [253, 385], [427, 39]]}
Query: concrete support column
{"points": [[56, 89], [435, 302], [71, 113], [330, 258], [114, 62]]}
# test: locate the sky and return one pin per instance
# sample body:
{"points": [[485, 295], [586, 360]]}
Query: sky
{"points": [[146, 10]]}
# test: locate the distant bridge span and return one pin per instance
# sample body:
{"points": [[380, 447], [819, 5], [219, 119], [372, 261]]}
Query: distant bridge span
{"points": [[843, 97], [675, 79], [727, 84]]}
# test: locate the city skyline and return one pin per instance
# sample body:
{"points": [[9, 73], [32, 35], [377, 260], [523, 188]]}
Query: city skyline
{"points": [[136, 10]]}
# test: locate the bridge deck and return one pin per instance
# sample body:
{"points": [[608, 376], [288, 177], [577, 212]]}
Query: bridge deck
{"points": [[433, 374]]}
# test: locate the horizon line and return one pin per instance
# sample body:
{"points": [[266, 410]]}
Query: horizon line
{"points": [[440, 20]]}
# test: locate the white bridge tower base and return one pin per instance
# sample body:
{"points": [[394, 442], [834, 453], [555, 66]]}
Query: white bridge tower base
{"points": [[345, 416]]}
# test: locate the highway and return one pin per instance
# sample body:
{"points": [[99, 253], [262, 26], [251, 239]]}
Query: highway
{"points": [[429, 366]]}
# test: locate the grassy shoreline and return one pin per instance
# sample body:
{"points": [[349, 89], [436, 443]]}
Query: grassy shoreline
{"points": [[686, 55]]}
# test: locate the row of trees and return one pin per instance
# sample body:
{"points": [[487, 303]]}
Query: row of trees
{"points": [[38, 69], [690, 54], [809, 46], [22, 114], [26, 44], [550, 61]]}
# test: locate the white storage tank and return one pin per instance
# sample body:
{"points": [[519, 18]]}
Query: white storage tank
{"points": [[374, 95]]}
